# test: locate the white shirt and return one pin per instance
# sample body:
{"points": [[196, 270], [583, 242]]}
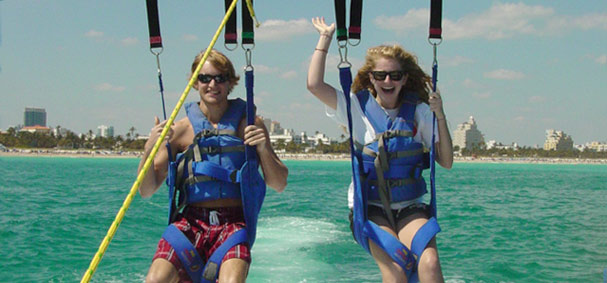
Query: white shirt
{"points": [[364, 133]]}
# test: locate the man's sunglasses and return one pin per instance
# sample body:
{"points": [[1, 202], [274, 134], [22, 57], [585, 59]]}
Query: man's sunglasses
{"points": [[394, 75], [205, 79]]}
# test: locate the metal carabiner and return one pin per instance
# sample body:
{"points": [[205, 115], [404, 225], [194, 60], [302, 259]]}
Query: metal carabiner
{"points": [[248, 55], [343, 56]]}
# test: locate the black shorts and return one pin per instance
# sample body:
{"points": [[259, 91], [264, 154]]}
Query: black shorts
{"points": [[398, 214]]}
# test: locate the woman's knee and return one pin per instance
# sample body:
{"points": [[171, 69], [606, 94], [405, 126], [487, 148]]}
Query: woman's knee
{"points": [[393, 275], [429, 261]]}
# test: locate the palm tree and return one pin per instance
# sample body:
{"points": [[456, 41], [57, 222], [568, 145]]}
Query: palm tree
{"points": [[132, 131]]}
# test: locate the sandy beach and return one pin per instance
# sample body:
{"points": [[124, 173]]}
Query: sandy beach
{"points": [[71, 153], [290, 156]]}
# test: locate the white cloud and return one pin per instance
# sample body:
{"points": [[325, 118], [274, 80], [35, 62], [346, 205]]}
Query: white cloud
{"points": [[288, 74], [537, 99], [130, 41], [601, 59], [109, 87], [456, 61], [503, 74], [264, 69], [276, 30], [584, 22], [93, 34], [414, 19], [189, 37], [502, 20], [482, 95], [468, 83]]}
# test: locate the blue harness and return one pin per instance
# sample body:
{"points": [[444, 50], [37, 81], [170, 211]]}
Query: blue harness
{"points": [[216, 165], [377, 172]]}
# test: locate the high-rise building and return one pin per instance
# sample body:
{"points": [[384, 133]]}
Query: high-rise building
{"points": [[34, 117], [467, 135], [557, 140], [105, 131]]}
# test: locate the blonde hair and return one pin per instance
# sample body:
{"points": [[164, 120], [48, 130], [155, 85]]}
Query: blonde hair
{"points": [[222, 63], [417, 78]]}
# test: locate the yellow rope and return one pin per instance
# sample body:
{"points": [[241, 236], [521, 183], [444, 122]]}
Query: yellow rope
{"points": [[110, 234], [252, 12]]}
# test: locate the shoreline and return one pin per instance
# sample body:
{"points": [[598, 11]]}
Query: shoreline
{"points": [[289, 156]]}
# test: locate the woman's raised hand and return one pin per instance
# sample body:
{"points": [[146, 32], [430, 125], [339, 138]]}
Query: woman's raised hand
{"points": [[322, 27]]}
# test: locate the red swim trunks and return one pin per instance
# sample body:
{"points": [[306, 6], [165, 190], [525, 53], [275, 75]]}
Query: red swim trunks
{"points": [[207, 229]]}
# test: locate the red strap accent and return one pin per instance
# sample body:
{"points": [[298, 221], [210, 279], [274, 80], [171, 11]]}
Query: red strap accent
{"points": [[435, 31], [231, 36], [155, 39], [354, 29]]}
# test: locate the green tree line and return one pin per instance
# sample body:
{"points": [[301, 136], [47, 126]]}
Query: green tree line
{"points": [[530, 152], [24, 140], [16, 139]]}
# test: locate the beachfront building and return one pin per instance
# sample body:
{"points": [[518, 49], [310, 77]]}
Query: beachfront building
{"points": [[597, 146], [467, 135], [498, 145], [286, 136], [317, 138], [557, 140], [105, 131], [34, 117], [36, 129]]}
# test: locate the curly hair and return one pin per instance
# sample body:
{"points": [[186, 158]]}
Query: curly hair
{"points": [[416, 82], [222, 63]]}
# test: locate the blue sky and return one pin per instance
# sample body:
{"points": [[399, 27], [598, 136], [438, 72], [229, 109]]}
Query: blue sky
{"points": [[518, 67]]}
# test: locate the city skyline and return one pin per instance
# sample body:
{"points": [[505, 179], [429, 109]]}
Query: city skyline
{"points": [[518, 68], [270, 124]]}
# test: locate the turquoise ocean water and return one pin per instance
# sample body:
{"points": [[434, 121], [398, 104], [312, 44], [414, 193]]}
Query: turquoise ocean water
{"points": [[501, 223]]}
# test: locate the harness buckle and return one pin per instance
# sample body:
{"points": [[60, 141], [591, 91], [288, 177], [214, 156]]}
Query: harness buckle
{"points": [[212, 150], [206, 132], [210, 272]]}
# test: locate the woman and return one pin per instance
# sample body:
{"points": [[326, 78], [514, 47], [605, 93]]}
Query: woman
{"points": [[390, 84]]}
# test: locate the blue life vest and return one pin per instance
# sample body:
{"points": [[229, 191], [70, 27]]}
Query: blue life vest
{"points": [[208, 169], [213, 167], [393, 161]]}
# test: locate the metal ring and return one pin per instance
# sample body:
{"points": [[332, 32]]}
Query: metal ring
{"points": [[247, 48], [226, 45], [440, 40], [344, 64], [354, 44], [156, 53]]}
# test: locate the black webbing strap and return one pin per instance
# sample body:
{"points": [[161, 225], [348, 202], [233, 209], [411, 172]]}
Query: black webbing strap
{"points": [[230, 35], [340, 20], [436, 12], [353, 32], [356, 12], [247, 25], [381, 166], [154, 24]]}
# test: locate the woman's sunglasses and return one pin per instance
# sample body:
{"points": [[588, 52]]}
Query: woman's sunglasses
{"points": [[394, 75], [205, 79]]}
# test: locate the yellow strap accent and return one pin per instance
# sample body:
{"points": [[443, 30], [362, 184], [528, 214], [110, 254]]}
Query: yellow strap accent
{"points": [[110, 233], [252, 13]]}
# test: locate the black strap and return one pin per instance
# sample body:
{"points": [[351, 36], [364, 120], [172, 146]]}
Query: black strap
{"points": [[154, 24], [247, 25], [436, 12], [230, 35], [340, 20], [356, 12]]}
